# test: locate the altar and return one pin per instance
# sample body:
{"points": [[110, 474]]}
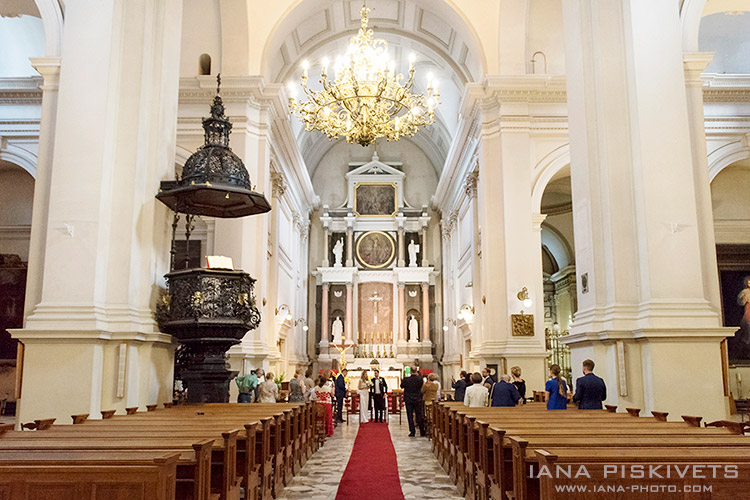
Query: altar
{"points": [[376, 284]]}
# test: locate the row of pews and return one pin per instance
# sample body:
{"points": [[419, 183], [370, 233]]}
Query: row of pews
{"points": [[530, 453], [194, 452]]}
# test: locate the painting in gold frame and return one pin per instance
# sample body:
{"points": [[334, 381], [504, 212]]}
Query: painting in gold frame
{"points": [[375, 199], [376, 249]]}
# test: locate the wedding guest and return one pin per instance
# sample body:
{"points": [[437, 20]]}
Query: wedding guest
{"points": [[269, 391], [487, 380], [246, 385], [590, 389], [309, 383], [519, 382], [430, 388], [297, 388], [412, 386], [459, 386], [378, 390], [340, 394], [363, 389], [321, 394], [557, 390], [261, 374], [504, 393], [476, 395]]}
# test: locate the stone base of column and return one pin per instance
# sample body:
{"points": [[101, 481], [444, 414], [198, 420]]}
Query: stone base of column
{"points": [[646, 369], [87, 363]]}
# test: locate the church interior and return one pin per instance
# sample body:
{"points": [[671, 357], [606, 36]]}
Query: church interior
{"points": [[536, 183]]}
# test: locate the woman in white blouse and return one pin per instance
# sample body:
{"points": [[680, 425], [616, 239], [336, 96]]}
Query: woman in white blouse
{"points": [[476, 394]]}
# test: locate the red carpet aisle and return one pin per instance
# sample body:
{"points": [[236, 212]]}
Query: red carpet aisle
{"points": [[372, 471]]}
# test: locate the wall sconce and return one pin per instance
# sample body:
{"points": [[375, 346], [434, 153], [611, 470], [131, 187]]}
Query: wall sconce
{"points": [[283, 313], [523, 296], [556, 327], [303, 322], [449, 322], [466, 313]]}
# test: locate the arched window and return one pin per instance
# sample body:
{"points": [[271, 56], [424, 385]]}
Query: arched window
{"points": [[204, 64]]}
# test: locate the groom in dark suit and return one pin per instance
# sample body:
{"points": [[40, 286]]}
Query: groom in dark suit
{"points": [[378, 390], [340, 393]]}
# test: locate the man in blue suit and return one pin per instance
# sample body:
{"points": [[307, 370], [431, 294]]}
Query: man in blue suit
{"points": [[590, 389], [340, 393], [504, 393]]}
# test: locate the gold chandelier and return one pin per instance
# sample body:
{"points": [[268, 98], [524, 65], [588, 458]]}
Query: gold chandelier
{"points": [[366, 99]]}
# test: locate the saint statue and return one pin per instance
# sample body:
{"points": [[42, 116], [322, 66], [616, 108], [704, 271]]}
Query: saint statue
{"points": [[413, 329], [338, 252], [337, 330], [413, 249]]}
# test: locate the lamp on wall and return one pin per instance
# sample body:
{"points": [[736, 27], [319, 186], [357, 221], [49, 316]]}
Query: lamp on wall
{"points": [[447, 322], [556, 327], [466, 313], [303, 322], [283, 313], [523, 296]]}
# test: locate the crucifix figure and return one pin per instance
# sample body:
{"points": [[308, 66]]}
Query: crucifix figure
{"points": [[375, 299]]}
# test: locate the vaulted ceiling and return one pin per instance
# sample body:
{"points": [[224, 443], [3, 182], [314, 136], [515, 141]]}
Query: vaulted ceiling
{"points": [[440, 39]]}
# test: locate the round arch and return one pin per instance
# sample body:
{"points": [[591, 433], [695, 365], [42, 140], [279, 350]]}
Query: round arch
{"points": [[52, 19], [725, 155], [691, 12], [545, 170], [300, 10], [21, 157]]}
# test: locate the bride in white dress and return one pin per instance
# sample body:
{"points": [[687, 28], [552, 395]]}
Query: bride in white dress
{"points": [[364, 398]]}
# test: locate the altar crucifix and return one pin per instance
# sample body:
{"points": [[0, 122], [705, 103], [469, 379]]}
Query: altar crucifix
{"points": [[375, 299]]}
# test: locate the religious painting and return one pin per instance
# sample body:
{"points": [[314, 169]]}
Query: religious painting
{"points": [[375, 199], [735, 298], [375, 310], [376, 249]]}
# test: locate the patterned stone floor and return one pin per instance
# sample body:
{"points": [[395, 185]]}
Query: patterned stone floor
{"points": [[421, 475]]}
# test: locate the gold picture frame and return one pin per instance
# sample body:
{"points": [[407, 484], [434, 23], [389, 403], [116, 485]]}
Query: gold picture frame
{"points": [[381, 261], [370, 185], [522, 325]]}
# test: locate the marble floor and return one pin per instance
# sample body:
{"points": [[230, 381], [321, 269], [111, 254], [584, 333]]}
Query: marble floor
{"points": [[421, 475]]}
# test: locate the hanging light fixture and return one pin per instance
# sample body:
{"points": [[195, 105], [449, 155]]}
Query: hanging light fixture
{"points": [[366, 98]]}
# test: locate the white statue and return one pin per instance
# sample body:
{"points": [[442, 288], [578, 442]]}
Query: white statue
{"points": [[338, 252], [413, 329], [413, 249], [337, 330]]}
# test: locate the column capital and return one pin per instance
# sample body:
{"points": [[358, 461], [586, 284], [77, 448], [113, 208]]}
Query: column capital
{"points": [[401, 285], [326, 285], [49, 68], [694, 63], [470, 183], [278, 184], [537, 220], [349, 285]]}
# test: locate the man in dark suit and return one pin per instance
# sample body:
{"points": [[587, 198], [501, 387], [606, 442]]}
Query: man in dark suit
{"points": [[590, 389], [412, 386], [378, 390], [340, 393], [504, 393]]}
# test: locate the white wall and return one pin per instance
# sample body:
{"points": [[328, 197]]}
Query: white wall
{"points": [[419, 185]]}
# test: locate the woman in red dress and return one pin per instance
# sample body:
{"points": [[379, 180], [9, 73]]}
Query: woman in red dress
{"points": [[322, 396]]}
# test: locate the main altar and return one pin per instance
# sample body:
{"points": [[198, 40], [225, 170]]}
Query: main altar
{"points": [[377, 287]]}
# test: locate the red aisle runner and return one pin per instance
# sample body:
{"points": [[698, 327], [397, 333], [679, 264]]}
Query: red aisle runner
{"points": [[372, 471]]}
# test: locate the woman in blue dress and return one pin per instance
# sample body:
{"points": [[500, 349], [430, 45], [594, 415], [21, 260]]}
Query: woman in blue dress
{"points": [[557, 390]]}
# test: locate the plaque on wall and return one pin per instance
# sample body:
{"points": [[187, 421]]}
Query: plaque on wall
{"points": [[375, 199], [376, 249], [522, 325]]}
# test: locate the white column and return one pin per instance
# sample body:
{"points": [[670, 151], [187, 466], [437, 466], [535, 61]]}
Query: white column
{"points": [[510, 246], [639, 238], [349, 241], [400, 221], [107, 238], [49, 68]]}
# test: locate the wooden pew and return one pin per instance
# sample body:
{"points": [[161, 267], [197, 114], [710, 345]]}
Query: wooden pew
{"points": [[477, 455], [95, 476]]}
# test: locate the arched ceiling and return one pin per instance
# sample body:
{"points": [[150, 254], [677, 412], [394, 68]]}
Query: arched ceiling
{"points": [[442, 43]]}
